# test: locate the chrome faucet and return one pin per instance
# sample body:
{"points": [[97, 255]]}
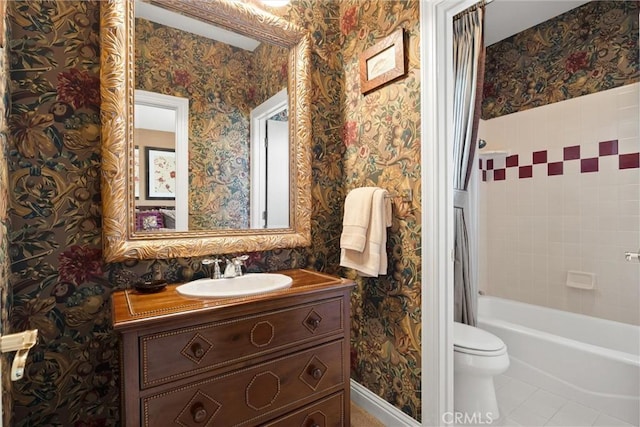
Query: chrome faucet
{"points": [[234, 266], [215, 274]]}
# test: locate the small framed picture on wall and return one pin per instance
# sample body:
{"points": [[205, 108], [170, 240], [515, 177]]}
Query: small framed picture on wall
{"points": [[382, 62]]}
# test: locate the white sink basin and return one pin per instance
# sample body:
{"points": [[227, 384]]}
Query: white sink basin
{"points": [[249, 284]]}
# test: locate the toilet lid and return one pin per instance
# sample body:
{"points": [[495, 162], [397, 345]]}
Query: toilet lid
{"points": [[468, 339]]}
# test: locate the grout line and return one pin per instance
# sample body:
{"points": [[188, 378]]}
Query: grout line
{"points": [[507, 416]]}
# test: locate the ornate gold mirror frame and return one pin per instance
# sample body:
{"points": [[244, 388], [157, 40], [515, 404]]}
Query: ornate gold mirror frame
{"points": [[121, 241]]}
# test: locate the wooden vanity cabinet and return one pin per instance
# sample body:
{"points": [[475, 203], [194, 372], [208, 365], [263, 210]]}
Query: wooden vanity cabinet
{"points": [[278, 359]]}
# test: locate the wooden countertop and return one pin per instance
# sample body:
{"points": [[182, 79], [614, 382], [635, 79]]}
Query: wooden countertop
{"points": [[131, 308]]}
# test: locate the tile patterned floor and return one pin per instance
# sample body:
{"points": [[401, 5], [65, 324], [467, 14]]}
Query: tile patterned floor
{"points": [[525, 405]]}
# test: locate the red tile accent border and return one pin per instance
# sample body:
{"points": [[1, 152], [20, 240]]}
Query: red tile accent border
{"points": [[526, 171], [555, 168], [512, 161], [589, 165], [608, 148], [539, 157], [629, 161], [572, 153]]}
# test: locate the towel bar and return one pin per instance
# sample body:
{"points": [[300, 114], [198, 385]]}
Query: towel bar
{"points": [[406, 196]]}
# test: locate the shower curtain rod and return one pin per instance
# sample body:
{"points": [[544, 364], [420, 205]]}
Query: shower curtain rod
{"points": [[472, 8]]}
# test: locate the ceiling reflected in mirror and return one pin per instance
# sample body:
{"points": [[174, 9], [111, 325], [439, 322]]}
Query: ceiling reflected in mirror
{"points": [[170, 18]]}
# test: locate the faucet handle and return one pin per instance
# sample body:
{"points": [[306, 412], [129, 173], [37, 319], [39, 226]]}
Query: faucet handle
{"points": [[238, 262], [216, 266]]}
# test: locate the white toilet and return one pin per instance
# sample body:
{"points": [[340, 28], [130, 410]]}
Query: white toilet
{"points": [[477, 357]]}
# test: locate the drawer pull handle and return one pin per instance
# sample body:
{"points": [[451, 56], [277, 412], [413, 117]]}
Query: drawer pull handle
{"points": [[314, 424], [316, 373], [198, 412], [314, 322], [197, 350]]}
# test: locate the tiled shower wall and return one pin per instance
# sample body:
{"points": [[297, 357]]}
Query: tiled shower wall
{"points": [[564, 197]]}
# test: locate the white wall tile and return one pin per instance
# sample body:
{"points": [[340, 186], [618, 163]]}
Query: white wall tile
{"points": [[570, 137], [589, 181], [630, 113], [589, 149], [555, 229], [608, 166], [555, 154], [631, 292], [570, 203], [571, 168], [627, 316], [627, 223], [541, 227], [607, 223], [555, 200], [628, 128], [589, 219], [629, 192], [627, 239], [629, 207], [628, 145], [627, 96]]}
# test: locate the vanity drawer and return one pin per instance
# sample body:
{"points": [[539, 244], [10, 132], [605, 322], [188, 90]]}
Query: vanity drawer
{"points": [[171, 355], [328, 412], [249, 396]]}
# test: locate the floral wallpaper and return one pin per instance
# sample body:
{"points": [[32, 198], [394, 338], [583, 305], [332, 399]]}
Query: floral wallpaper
{"points": [[591, 48], [271, 63], [58, 280], [381, 137], [7, 402], [60, 284], [223, 84]]}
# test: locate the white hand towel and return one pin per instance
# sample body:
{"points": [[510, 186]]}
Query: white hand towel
{"points": [[372, 260], [355, 221]]}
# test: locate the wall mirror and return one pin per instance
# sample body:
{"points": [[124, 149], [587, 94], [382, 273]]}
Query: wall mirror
{"points": [[197, 186]]}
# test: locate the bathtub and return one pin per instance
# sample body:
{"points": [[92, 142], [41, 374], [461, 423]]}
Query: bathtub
{"points": [[592, 361]]}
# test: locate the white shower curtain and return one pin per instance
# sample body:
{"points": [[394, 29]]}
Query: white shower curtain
{"points": [[468, 58]]}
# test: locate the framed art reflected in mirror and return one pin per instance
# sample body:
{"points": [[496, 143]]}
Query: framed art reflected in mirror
{"points": [[160, 173]]}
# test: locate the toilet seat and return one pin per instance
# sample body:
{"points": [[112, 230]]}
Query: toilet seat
{"points": [[470, 340]]}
